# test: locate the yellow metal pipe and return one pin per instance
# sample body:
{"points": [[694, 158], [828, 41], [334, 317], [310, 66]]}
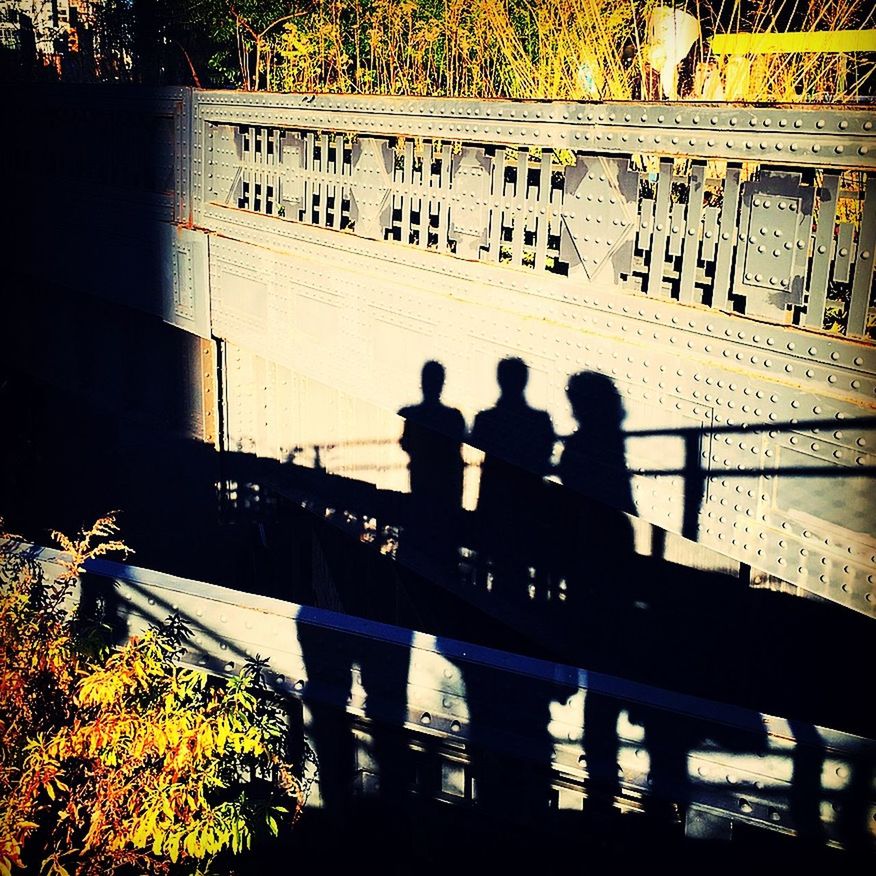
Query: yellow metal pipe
{"points": [[827, 41]]}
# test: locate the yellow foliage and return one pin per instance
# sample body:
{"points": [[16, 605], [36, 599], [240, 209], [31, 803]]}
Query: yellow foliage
{"points": [[119, 759], [548, 49]]}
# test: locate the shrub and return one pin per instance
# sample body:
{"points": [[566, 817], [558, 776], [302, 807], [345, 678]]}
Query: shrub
{"points": [[120, 759], [548, 49]]}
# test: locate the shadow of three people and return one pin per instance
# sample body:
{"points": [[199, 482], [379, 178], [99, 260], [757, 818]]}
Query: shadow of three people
{"points": [[563, 551], [577, 534], [535, 543], [528, 534], [512, 525]]}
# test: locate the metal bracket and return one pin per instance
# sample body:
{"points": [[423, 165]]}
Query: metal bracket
{"points": [[774, 228]]}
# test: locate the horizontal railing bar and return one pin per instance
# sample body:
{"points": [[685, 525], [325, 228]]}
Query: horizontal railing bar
{"points": [[148, 579], [803, 135]]}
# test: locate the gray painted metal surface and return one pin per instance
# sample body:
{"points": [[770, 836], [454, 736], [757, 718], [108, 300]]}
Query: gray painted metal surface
{"points": [[822, 136], [553, 197], [735, 436], [459, 700], [750, 439], [692, 255]]}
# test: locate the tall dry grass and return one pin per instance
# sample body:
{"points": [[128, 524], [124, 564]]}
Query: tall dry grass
{"points": [[795, 77], [550, 49], [476, 48]]}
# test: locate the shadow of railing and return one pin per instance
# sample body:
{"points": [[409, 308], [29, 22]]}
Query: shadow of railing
{"points": [[582, 593], [350, 500], [512, 738]]}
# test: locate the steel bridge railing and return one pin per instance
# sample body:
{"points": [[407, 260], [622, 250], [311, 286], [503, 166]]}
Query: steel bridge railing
{"points": [[765, 211], [713, 262]]}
